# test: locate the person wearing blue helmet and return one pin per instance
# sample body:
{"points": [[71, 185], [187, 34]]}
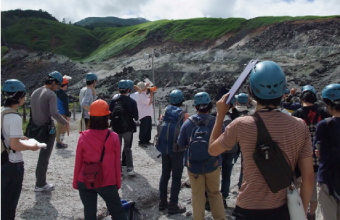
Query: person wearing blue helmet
{"points": [[204, 174], [88, 95], [311, 113], [122, 122], [43, 108], [255, 199], [12, 162], [172, 157], [327, 147]]}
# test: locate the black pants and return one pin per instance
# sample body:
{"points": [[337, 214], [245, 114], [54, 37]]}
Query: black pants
{"points": [[145, 130], [280, 213], [110, 196], [171, 164], [43, 161], [12, 175]]}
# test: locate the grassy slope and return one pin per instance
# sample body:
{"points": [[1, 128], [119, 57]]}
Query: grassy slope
{"points": [[102, 43], [45, 35], [116, 40]]}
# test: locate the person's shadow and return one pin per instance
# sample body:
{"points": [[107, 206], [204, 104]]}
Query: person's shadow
{"points": [[42, 209]]}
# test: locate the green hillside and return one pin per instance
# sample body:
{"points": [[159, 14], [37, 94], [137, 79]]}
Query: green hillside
{"points": [[92, 22], [100, 44], [46, 35]]}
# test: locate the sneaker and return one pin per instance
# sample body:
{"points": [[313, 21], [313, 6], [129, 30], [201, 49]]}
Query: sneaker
{"points": [[163, 205], [47, 187], [131, 172], [176, 208], [61, 145]]}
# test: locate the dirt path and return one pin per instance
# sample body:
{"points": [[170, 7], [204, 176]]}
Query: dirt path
{"points": [[64, 202]]}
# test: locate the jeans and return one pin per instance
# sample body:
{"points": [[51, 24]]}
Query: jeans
{"points": [[228, 161], [12, 175], [145, 130], [43, 160], [170, 164], [127, 152], [110, 196]]}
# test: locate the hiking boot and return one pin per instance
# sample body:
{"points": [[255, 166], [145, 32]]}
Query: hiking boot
{"points": [[163, 205], [130, 172], [47, 187], [61, 145], [175, 208], [207, 206]]}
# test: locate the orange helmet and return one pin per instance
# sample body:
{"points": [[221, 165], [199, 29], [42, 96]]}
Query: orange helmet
{"points": [[99, 108], [65, 81]]}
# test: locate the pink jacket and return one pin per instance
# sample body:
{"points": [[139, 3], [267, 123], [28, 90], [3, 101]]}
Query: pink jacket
{"points": [[89, 149]]}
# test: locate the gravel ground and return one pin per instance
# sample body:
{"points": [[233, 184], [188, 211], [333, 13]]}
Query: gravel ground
{"points": [[64, 202]]}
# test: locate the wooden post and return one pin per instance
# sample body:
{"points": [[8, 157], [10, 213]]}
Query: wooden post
{"points": [[74, 110]]}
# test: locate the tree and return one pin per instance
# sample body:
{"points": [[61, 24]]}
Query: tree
{"points": [[64, 21]]}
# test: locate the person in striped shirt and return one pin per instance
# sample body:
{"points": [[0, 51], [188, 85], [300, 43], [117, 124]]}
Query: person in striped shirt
{"points": [[255, 200]]}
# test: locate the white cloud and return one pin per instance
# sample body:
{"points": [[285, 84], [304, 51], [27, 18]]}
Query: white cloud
{"points": [[76, 10]]}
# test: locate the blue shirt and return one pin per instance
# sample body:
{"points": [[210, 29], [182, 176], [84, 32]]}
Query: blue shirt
{"points": [[186, 129], [322, 138]]}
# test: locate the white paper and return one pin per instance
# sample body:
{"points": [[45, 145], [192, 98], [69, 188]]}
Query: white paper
{"points": [[32, 142]]}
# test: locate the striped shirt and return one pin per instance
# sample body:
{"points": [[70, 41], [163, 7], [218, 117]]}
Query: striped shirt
{"points": [[292, 136]]}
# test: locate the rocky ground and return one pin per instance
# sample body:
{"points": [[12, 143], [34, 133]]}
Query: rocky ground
{"points": [[64, 202]]}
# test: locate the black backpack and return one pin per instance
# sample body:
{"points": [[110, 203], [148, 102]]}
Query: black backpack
{"points": [[334, 184], [120, 118], [270, 159]]}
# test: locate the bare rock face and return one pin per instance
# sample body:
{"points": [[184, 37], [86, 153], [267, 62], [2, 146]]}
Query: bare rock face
{"points": [[308, 52]]}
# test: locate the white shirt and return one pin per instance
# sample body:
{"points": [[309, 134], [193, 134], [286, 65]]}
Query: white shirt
{"points": [[144, 109], [12, 128], [134, 96]]}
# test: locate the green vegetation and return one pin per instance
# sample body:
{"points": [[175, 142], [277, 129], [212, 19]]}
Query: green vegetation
{"points": [[93, 22], [46, 35], [104, 42], [4, 50]]}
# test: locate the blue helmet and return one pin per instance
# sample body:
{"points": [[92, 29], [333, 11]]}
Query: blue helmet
{"points": [[267, 80], [332, 92], [242, 98], [13, 85], [309, 88], [202, 98], [131, 84], [176, 96], [287, 91], [233, 101], [57, 76], [123, 84], [91, 76]]}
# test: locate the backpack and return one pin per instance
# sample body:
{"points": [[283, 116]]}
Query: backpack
{"points": [[4, 149], [168, 130], [198, 159], [334, 184], [270, 159], [120, 118], [311, 124]]}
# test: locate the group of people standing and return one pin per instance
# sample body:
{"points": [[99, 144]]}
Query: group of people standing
{"points": [[207, 143]]}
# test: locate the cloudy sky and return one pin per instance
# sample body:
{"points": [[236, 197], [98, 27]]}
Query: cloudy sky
{"points": [[75, 10]]}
